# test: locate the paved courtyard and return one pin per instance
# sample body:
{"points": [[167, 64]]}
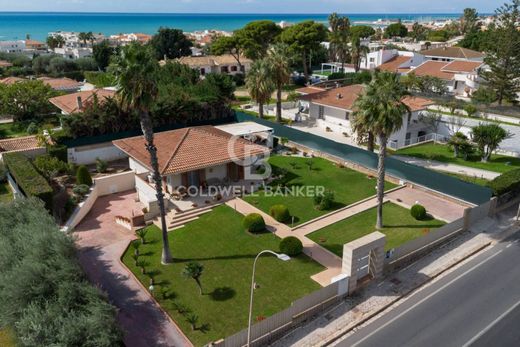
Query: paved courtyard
{"points": [[101, 242]]}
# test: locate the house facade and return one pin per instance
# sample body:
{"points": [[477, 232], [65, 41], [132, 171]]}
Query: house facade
{"points": [[333, 110], [219, 64], [391, 60], [191, 160]]}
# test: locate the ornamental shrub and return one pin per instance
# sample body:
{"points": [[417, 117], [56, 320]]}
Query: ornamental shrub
{"points": [[324, 201], [418, 212], [83, 176], [32, 129], [280, 213], [507, 182], [291, 246], [59, 152], [254, 223], [81, 190], [101, 165]]}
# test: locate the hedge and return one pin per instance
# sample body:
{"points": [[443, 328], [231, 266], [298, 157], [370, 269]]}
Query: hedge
{"points": [[59, 152], [507, 182], [28, 178], [254, 223]]}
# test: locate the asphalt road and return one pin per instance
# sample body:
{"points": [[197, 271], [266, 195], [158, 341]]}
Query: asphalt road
{"points": [[476, 305]]}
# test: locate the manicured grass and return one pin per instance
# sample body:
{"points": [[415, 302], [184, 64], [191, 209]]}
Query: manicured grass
{"points": [[443, 153], [12, 130], [348, 186], [7, 338], [218, 242], [471, 179], [399, 228], [6, 194]]}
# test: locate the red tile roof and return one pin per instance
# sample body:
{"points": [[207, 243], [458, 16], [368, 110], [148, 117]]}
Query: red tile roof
{"points": [[435, 69], [462, 66], [416, 103], [189, 149], [453, 52], [393, 64], [61, 83], [11, 80], [4, 63], [309, 90], [69, 103], [19, 144]]}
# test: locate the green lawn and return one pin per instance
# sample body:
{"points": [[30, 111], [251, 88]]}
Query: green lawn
{"points": [[12, 130], [348, 186], [471, 179], [7, 338], [399, 228], [6, 194], [443, 153], [218, 242]]}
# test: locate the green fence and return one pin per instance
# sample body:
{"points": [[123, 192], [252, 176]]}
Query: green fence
{"points": [[431, 179]]}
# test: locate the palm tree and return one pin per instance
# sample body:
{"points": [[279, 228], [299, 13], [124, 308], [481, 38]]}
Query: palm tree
{"points": [[358, 52], [136, 71], [278, 60], [382, 109], [339, 37], [259, 83], [194, 270]]}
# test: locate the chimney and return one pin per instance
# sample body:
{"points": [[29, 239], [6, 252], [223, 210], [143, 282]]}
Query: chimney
{"points": [[339, 96], [79, 102]]}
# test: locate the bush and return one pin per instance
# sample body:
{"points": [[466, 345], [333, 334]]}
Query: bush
{"points": [[291, 246], [324, 201], [3, 172], [59, 152], [254, 223], [81, 190], [507, 182], [28, 178], [83, 176], [418, 212], [32, 129], [280, 213], [101, 165], [49, 166]]}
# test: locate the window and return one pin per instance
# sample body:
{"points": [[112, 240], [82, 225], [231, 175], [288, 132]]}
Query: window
{"points": [[234, 68], [202, 71], [347, 115], [321, 111], [372, 60], [224, 69]]}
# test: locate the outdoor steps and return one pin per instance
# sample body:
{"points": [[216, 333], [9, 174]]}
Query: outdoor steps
{"points": [[176, 219]]}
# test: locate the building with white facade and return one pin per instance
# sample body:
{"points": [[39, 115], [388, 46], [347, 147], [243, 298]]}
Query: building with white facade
{"points": [[15, 46]]}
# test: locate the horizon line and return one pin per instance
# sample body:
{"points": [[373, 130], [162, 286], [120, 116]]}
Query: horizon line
{"points": [[242, 13]]}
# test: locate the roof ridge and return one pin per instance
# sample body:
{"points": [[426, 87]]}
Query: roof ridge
{"points": [[187, 130]]}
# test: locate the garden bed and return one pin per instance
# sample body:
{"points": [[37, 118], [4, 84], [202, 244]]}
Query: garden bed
{"points": [[218, 242]]}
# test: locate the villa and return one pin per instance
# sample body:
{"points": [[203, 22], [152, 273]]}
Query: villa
{"points": [[333, 110], [11, 80], [225, 64], [199, 157], [392, 60], [64, 84], [449, 54], [77, 102]]}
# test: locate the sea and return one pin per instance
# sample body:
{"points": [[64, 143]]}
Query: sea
{"points": [[17, 25]]}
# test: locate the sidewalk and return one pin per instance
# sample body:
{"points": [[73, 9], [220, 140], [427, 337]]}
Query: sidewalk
{"points": [[447, 167], [379, 295]]}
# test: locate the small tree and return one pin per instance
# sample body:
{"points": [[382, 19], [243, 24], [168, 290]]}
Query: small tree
{"points": [[432, 120], [488, 138], [457, 141], [83, 176], [194, 270], [470, 109], [192, 319], [141, 233]]}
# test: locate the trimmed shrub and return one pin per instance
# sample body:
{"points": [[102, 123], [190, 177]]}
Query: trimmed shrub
{"points": [[32, 129], [324, 201], [280, 213], [254, 223], [81, 190], [507, 182], [291, 246], [101, 165], [28, 178], [59, 152], [418, 212], [83, 176], [49, 166]]}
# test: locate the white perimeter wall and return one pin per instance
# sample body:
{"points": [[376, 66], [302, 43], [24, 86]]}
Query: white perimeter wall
{"points": [[86, 155]]}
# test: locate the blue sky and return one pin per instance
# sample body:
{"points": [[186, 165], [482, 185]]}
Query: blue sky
{"points": [[252, 6]]}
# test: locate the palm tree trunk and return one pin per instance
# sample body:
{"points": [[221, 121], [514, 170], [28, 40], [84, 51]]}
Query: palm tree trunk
{"points": [[305, 67], [200, 285], [261, 109], [146, 126], [279, 104], [370, 144], [381, 180]]}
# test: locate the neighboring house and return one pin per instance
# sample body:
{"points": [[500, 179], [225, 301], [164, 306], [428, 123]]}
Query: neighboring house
{"points": [[190, 157], [76, 102], [391, 60], [62, 84], [17, 46], [125, 39], [29, 145], [452, 53], [35, 45], [73, 52], [225, 64], [333, 110], [11, 80], [4, 64], [461, 77]]}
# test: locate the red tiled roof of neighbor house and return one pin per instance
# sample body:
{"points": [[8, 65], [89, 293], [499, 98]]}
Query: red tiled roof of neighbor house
{"points": [[189, 149], [33, 44], [462, 66], [61, 83], [393, 64], [343, 97], [11, 80], [69, 103], [4, 63], [309, 90], [434, 69], [19, 144], [453, 52], [212, 60]]}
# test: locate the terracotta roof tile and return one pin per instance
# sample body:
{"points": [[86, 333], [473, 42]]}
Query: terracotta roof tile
{"points": [[69, 103], [462, 66], [4, 63], [343, 97], [61, 83], [393, 64], [433, 68], [19, 144], [11, 80], [189, 149], [212, 60], [416, 103], [453, 52], [309, 90]]}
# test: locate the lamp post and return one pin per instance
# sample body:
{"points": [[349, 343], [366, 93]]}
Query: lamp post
{"points": [[280, 256]]}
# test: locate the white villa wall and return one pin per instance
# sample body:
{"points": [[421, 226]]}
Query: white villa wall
{"points": [[86, 155], [145, 192], [216, 172], [137, 167]]}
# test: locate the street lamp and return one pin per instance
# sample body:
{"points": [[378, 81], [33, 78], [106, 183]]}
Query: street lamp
{"points": [[280, 256]]}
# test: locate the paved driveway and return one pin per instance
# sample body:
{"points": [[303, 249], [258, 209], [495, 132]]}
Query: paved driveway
{"points": [[101, 242]]}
